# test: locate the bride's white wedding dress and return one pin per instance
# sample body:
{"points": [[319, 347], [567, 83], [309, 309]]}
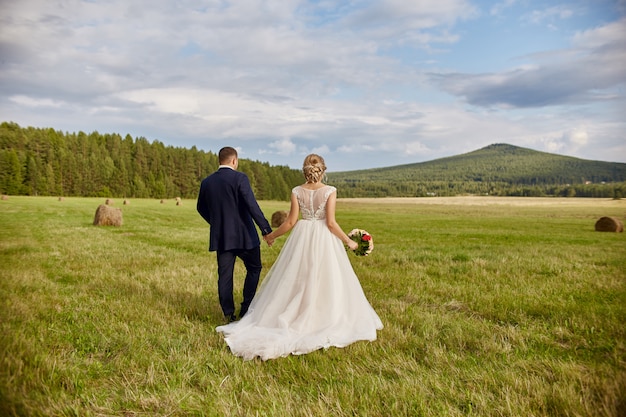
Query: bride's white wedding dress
{"points": [[310, 298]]}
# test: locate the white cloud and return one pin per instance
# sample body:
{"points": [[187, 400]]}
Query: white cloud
{"points": [[285, 78], [501, 7], [552, 146], [35, 102], [559, 12], [611, 34], [577, 138], [591, 70], [283, 147], [568, 142]]}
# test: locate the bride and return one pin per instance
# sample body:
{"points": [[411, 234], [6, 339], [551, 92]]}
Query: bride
{"points": [[310, 298]]}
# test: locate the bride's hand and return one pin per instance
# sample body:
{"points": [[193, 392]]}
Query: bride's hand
{"points": [[353, 245]]}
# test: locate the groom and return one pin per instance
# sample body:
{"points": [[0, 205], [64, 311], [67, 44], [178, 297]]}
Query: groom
{"points": [[226, 201]]}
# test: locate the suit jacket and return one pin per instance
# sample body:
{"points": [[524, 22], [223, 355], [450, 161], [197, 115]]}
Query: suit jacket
{"points": [[226, 201]]}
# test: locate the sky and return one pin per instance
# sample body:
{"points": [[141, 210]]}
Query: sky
{"points": [[363, 83]]}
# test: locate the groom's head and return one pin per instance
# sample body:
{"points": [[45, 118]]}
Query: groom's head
{"points": [[228, 156]]}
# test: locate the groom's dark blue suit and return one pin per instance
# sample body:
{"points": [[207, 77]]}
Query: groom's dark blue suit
{"points": [[226, 201]]}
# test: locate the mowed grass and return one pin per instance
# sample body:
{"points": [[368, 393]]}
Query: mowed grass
{"points": [[491, 307]]}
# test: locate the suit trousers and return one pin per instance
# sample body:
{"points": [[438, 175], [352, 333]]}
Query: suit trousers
{"points": [[225, 269]]}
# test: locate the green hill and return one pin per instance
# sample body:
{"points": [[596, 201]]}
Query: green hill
{"points": [[498, 169]]}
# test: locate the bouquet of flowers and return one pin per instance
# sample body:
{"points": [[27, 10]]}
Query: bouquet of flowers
{"points": [[365, 241]]}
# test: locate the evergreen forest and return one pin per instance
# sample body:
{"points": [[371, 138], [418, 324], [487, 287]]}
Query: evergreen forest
{"points": [[47, 162]]}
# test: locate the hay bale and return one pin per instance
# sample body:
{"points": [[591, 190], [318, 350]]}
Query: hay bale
{"points": [[108, 202], [609, 224], [279, 218], [162, 201], [179, 203], [126, 202], [107, 216], [61, 199], [5, 197]]}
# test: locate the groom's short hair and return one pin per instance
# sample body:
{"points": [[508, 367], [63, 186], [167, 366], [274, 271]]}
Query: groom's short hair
{"points": [[226, 154]]}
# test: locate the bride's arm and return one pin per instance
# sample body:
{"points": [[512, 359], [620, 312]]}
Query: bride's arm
{"points": [[289, 222], [332, 224]]}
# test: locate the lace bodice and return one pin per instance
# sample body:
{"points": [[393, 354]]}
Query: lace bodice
{"points": [[313, 202]]}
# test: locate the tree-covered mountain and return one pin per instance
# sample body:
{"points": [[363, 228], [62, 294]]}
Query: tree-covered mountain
{"points": [[498, 169], [43, 161], [36, 161]]}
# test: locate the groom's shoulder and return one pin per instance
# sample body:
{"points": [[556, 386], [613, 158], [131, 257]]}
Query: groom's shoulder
{"points": [[232, 176], [227, 173], [239, 174]]}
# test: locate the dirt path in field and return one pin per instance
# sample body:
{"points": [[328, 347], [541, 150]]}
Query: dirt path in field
{"points": [[495, 201]]}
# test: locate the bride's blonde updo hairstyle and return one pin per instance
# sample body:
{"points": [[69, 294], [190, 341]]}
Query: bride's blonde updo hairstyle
{"points": [[313, 168]]}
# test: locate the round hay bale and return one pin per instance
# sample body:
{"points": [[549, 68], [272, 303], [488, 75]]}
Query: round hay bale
{"points": [[162, 201], [179, 203], [279, 218], [108, 202], [5, 197], [61, 199], [177, 199], [107, 216], [609, 224], [126, 202]]}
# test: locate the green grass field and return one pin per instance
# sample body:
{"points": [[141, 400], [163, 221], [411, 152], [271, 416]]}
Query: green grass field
{"points": [[491, 307]]}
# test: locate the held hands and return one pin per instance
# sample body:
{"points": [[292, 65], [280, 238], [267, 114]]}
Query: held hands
{"points": [[268, 239]]}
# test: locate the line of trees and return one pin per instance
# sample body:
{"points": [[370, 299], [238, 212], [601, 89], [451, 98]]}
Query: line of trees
{"points": [[406, 188], [46, 162]]}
